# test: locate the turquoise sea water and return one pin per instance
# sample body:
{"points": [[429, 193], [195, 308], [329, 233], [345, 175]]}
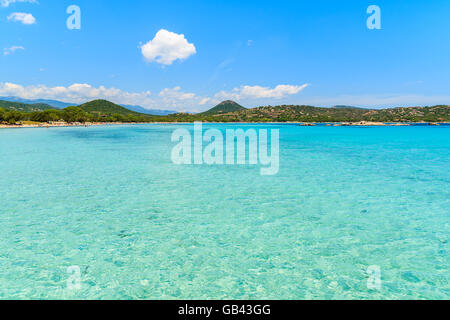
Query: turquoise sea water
{"points": [[109, 200]]}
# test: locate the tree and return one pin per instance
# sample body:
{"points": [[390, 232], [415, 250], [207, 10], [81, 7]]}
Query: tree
{"points": [[118, 118], [75, 114], [12, 117], [46, 116], [2, 114]]}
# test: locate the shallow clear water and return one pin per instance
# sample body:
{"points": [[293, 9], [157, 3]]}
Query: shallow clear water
{"points": [[109, 200]]}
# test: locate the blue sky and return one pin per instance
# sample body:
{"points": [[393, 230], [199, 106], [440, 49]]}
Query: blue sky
{"points": [[256, 52]]}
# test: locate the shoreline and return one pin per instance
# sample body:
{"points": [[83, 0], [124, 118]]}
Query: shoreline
{"points": [[51, 125], [305, 124]]}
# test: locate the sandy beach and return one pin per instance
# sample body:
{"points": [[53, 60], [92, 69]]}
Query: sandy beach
{"points": [[59, 124]]}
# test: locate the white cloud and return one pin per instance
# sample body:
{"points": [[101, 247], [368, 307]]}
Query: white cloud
{"points": [[169, 98], [76, 93], [175, 93], [167, 47], [257, 92], [24, 18], [205, 101], [176, 99], [11, 50], [6, 3]]}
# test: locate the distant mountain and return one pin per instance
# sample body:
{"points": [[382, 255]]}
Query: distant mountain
{"points": [[104, 107], [153, 112], [24, 107], [53, 103], [62, 105], [224, 107]]}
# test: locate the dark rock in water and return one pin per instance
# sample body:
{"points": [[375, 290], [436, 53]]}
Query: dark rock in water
{"points": [[364, 211], [119, 263], [410, 277], [123, 234], [91, 283], [318, 274], [56, 277]]}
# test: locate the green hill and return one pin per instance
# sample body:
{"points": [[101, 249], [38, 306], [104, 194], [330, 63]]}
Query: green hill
{"points": [[224, 107], [107, 108], [295, 113], [24, 107]]}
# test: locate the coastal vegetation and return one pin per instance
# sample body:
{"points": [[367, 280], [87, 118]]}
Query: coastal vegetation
{"points": [[292, 113], [102, 111]]}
